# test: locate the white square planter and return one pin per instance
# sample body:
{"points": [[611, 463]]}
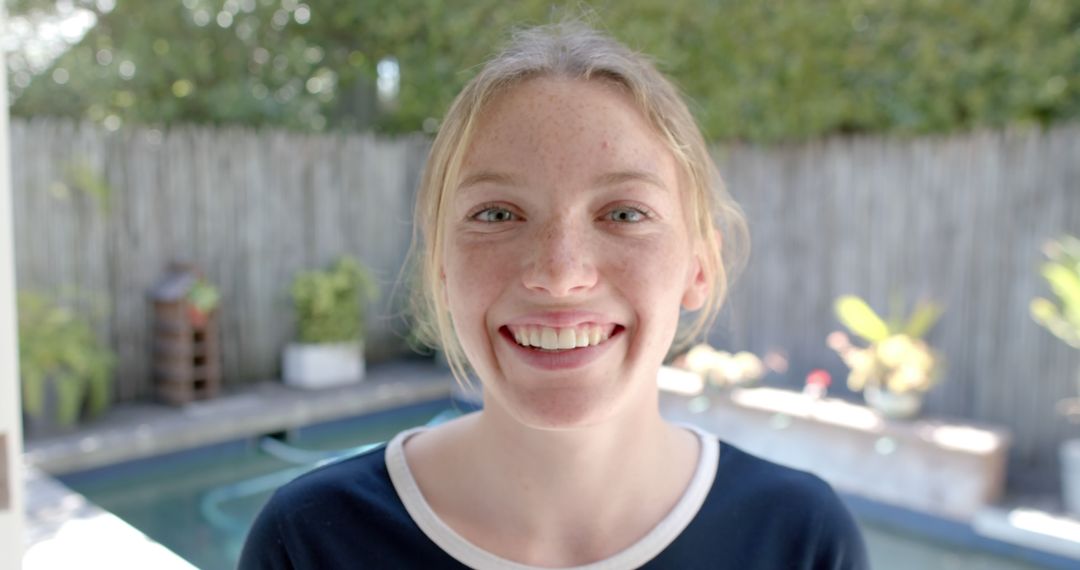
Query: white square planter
{"points": [[314, 366], [1070, 475]]}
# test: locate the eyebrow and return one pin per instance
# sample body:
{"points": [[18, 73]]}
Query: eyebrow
{"points": [[606, 179], [488, 177], [621, 176]]}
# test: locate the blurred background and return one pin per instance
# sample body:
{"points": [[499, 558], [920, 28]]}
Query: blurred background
{"points": [[194, 160]]}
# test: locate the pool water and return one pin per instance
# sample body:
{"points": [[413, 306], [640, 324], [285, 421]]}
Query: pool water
{"points": [[894, 549], [166, 497], [163, 496]]}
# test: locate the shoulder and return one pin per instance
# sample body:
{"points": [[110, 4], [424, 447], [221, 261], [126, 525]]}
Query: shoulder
{"points": [[328, 511], [362, 476], [347, 514], [351, 493], [751, 478], [776, 516]]}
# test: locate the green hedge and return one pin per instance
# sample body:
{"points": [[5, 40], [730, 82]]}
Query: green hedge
{"points": [[756, 70]]}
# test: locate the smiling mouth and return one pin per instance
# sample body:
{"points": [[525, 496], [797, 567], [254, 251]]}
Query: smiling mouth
{"points": [[560, 339]]}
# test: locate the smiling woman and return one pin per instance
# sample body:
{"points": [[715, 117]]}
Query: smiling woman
{"points": [[582, 226], [568, 214]]}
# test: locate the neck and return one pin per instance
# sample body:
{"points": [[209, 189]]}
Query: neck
{"points": [[554, 497], [554, 462], [564, 485]]}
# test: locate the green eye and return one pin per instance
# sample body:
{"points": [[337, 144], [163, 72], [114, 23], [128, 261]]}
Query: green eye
{"points": [[494, 215], [626, 215]]}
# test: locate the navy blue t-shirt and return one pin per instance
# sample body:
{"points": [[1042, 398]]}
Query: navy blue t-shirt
{"points": [[756, 515]]}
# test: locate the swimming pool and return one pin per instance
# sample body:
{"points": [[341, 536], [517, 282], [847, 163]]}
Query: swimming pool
{"points": [[177, 499], [893, 547], [164, 496]]}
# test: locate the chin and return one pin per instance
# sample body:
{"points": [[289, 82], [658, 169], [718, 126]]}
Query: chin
{"points": [[559, 408]]}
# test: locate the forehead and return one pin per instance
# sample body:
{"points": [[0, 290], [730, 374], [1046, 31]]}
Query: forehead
{"points": [[562, 127]]}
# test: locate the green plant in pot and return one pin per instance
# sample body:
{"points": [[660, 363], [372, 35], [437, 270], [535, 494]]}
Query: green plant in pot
{"points": [[330, 309], [65, 370], [897, 367], [1061, 317], [202, 299]]}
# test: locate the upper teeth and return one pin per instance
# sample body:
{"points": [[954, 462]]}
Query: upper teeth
{"points": [[551, 338]]}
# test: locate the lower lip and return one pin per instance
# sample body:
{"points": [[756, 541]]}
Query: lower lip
{"points": [[562, 359]]}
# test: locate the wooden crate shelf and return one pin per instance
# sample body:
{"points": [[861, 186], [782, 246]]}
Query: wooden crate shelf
{"points": [[186, 347]]}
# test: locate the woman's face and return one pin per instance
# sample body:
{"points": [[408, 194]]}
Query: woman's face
{"points": [[567, 253]]}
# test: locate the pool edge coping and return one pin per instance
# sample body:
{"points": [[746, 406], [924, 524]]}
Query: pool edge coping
{"points": [[137, 431]]}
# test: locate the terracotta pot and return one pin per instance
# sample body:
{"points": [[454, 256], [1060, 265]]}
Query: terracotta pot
{"points": [[196, 317]]}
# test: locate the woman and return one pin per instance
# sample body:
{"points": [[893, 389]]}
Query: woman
{"points": [[569, 211]]}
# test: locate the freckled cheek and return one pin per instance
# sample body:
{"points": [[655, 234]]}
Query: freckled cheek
{"points": [[474, 279], [651, 260], [653, 275]]}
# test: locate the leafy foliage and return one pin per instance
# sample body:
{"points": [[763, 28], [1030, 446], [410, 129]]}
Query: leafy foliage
{"points": [[56, 345], [1062, 274], [204, 296], [721, 368], [898, 363], [896, 358], [330, 304], [80, 175], [855, 314], [860, 319], [1062, 319], [760, 71]]}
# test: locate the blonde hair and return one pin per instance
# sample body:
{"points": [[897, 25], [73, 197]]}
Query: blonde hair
{"points": [[572, 50]]}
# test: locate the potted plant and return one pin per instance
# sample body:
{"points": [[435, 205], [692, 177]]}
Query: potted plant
{"points": [[329, 304], [720, 369], [65, 371], [1062, 319], [896, 368], [202, 299]]}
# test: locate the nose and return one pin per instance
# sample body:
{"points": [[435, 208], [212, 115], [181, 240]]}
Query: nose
{"points": [[561, 262]]}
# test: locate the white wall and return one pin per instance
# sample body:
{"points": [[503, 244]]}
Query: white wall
{"points": [[11, 518]]}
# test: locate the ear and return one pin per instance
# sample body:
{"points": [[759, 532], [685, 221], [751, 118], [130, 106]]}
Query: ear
{"points": [[698, 283], [697, 286]]}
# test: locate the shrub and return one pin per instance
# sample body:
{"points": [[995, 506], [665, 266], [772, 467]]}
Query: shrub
{"points": [[58, 346], [330, 304]]}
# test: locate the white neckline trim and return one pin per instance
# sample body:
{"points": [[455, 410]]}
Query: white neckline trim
{"points": [[635, 555]]}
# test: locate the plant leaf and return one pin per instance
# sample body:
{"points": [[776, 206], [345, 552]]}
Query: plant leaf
{"points": [[860, 319], [69, 391], [33, 392], [1042, 310], [1065, 283], [924, 319]]}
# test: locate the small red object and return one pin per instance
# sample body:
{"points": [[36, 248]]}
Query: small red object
{"points": [[818, 377]]}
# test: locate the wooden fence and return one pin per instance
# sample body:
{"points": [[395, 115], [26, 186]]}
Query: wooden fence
{"points": [[103, 214], [959, 220]]}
